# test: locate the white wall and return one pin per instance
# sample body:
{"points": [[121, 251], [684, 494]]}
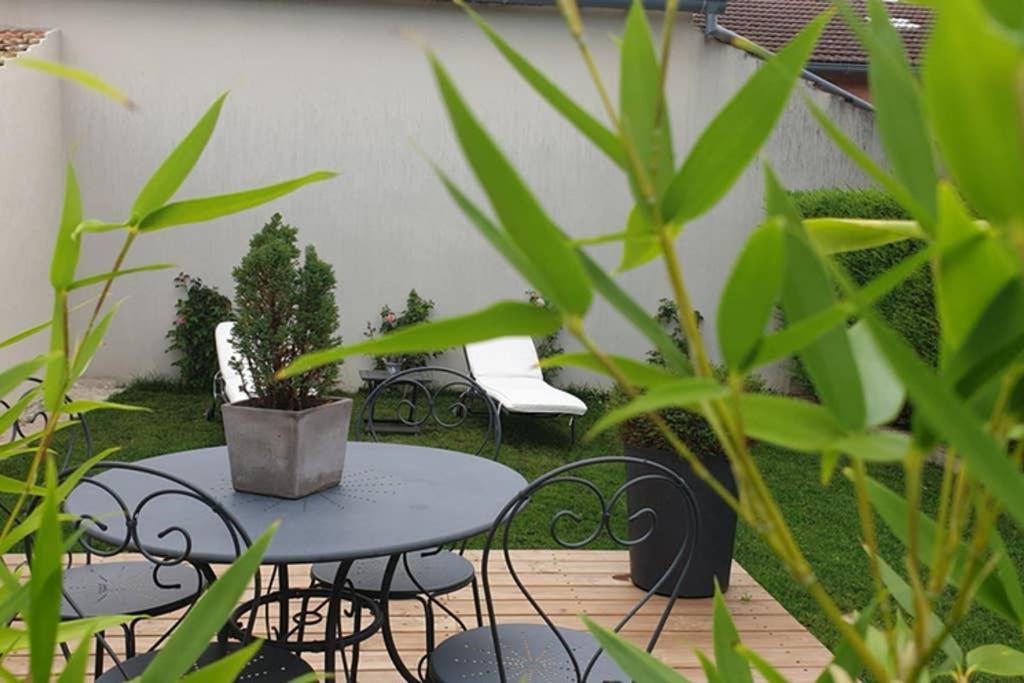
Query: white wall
{"points": [[344, 85], [32, 158]]}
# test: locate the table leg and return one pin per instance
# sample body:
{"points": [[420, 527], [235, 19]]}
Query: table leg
{"points": [[283, 615], [389, 637]]}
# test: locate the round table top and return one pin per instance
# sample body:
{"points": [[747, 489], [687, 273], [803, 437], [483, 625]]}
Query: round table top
{"points": [[392, 498]]}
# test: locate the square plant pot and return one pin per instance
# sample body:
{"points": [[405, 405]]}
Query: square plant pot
{"points": [[286, 453]]}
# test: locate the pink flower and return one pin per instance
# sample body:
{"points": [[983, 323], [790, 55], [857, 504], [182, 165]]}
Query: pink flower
{"points": [[180, 320], [390, 318]]}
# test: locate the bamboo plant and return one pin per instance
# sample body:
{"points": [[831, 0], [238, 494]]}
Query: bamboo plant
{"points": [[952, 137]]}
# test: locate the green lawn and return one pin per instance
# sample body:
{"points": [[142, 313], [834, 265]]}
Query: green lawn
{"points": [[823, 519]]}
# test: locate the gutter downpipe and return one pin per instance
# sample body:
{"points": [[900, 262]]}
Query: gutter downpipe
{"points": [[724, 35]]}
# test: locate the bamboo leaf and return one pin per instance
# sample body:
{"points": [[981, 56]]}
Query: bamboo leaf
{"points": [[681, 393], [594, 130], [36, 329], [763, 667], [642, 375], [501, 319], [84, 406], [207, 616], [12, 377], [227, 668], [75, 667], [729, 143], [79, 76], [798, 425], [839, 235], [87, 349], [640, 243], [750, 294], [95, 225], [67, 248], [884, 445], [732, 666], [172, 172], [209, 208], [638, 664], [996, 660], [43, 612], [846, 659], [883, 392], [113, 275], [520, 214]]}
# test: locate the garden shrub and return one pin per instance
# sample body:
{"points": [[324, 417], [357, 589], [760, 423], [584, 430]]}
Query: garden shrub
{"points": [[417, 310], [910, 308], [548, 346], [197, 312]]}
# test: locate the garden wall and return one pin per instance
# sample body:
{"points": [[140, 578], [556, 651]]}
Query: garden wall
{"points": [[344, 85], [32, 157]]}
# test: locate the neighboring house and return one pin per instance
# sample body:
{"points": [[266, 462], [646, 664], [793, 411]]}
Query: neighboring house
{"points": [[344, 84], [14, 41], [839, 56]]}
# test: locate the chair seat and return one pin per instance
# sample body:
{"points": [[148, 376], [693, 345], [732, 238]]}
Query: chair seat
{"points": [[128, 588], [531, 395], [438, 573], [270, 663], [530, 652]]}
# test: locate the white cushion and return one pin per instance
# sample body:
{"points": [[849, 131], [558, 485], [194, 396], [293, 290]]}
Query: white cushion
{"points": [[504, 357], [226, 352], [529, 395]]}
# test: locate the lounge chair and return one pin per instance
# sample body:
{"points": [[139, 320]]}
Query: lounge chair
{"points": [[508, 370], [229, 386]]}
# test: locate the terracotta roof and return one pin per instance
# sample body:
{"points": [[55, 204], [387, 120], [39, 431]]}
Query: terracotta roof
{"points": [[16, 40], [772, 23]]}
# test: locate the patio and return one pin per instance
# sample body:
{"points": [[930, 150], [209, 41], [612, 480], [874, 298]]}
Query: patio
{"points": [[570, 582]]}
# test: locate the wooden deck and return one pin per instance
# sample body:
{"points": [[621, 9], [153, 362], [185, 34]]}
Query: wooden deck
{"points": [[567, 583]]}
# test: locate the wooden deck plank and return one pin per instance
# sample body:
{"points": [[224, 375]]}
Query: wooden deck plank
{"points": [[566, 583]]}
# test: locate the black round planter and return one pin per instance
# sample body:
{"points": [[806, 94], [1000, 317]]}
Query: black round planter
{"points": [[712, 558]]}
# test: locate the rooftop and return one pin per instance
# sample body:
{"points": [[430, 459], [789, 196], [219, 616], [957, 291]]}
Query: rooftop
{"points": [[772, 23], [14, 41]]}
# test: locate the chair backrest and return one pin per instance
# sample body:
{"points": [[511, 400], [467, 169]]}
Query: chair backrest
{"points": [[236, 385], [168, 513], [589, 504], [504, 357], [418, 398], [73, 440]]}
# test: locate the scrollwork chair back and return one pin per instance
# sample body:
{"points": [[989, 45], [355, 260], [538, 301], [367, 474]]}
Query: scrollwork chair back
{"points": [[594, 515], [424, 397]]}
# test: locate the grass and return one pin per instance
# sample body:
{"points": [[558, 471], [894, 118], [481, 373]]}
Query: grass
{"points": [[823, 519]]}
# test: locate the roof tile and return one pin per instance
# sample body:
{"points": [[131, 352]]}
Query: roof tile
{"points": [[14, 41]]}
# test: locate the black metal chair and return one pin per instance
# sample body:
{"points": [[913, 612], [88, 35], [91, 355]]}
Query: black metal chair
{"points": [[98, 589], [166, 515], [546, 651], [406, 403]]}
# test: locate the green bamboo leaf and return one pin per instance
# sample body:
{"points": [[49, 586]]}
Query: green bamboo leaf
{"points": [[641, 320], [501, 319], [971, 83], [10, 416], [75, 667], [883, 392], [636, 663], [67, 248], [686, 392], [732, 666], [493, 234], [968, 278], [807, 289], [897, 101], [56, 375], [883, 445], [209, 208], [839, 235], [113, 275], [996, 660], [640, 242], [798, 425], [709, 668], [862, 159], [36, 329], [640, 374], [594, 130], [845, 656], [162, 185], [750, 294], [226, 669], [95, 225], [729, 143], [901, 591], [79, 76], [87, 349], [796, 336], [70, 481], [520, 214], [12, 485], [43, 612], [81, 406], [1006, 573], [763, 667], [207, 616], [1009, 13], [894, 511], [12, 377], [938, 405]]}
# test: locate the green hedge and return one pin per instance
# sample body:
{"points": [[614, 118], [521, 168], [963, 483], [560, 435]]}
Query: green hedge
{"points": [[910, 308]]}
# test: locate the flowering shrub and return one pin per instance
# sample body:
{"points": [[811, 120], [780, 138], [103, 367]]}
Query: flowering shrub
{"points": [[191, 335], [417, 310]]}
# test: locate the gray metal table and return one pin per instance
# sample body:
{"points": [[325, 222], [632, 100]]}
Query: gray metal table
{"points": [[392, 499]]}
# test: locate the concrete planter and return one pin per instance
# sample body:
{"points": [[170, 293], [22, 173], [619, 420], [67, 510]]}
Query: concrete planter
{"points": [[286, 453]]}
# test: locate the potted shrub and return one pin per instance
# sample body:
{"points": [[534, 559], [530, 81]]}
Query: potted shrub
{"points": [[716, 535], [288, 439]]}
